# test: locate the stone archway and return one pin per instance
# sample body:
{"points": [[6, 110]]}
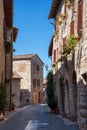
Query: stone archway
{"points": [[74, 96], [67, 103], [62, 93]]}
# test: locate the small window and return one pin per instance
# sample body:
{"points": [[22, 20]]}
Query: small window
{"points": [[34, 68], [38, 82], [37, 67], [34, 82]]}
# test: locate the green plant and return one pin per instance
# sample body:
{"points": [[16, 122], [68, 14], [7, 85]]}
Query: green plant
{"points": [[68, 4], [71, 41], [53, 65], [51, 100], [63, 16], [8, 47], [52, 103], [3, 95], [70, 44], [59, 22]]}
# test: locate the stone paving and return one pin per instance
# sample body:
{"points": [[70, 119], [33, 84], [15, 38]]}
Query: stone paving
{"points": [[40, 123]]}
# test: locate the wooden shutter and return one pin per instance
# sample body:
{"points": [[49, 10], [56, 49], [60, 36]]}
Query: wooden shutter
{"points": [[64, 6], [79, 16], [72, 28], [64, 40], [54, 55]]}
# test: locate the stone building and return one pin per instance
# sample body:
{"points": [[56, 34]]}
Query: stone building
{"points": [[2, 48], [44, 90], [69, 62], [30, 68], [7, 35], [16, 80]]}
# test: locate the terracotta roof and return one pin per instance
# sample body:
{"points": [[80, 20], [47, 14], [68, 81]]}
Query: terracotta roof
{"points": [[54, 8], [23, 57], [26, 57], [50, 47], [8, 11], [15, 75]]}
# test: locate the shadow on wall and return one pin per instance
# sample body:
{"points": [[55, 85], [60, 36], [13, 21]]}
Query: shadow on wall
{"points": [[24, 97]]}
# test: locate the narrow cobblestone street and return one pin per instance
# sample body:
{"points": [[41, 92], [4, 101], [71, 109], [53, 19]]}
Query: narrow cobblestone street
{"points": [[35, 117]]}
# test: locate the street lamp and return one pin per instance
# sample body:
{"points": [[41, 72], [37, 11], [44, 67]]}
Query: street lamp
{"points": [[46, 67]]}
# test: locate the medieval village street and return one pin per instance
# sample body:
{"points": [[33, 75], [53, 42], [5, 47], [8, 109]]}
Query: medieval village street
{"points": [[35, 117]]}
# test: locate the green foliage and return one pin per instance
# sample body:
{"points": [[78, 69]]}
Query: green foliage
{"points": [[50, 88], [52, 103], [63, 16], [8, 47], [3, 101], [51, 100], [71, 41], [70, 44]]}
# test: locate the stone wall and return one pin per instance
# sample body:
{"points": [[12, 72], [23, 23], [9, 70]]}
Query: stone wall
{"points": [[25, 68], [2, 49], [81, 70], [37, 92], [16, 92]]}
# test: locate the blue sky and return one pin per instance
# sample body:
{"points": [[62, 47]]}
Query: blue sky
{"points": [[35, 31]]}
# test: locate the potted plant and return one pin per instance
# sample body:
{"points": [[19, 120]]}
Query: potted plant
{"points": [[70, 44], [8, 47], [3, 101], [59, 22], [63, 16], [12, 106], [68, 4]]}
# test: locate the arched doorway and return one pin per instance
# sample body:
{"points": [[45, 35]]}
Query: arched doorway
{"points": [[67, 103], [74, 94], [62, 93]]}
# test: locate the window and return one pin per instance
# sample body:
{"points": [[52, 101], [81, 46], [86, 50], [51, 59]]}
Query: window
{"points": [[55, 55], [37, 67], [34, 82], [34, 68], [38, 82], [79, 16]]}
